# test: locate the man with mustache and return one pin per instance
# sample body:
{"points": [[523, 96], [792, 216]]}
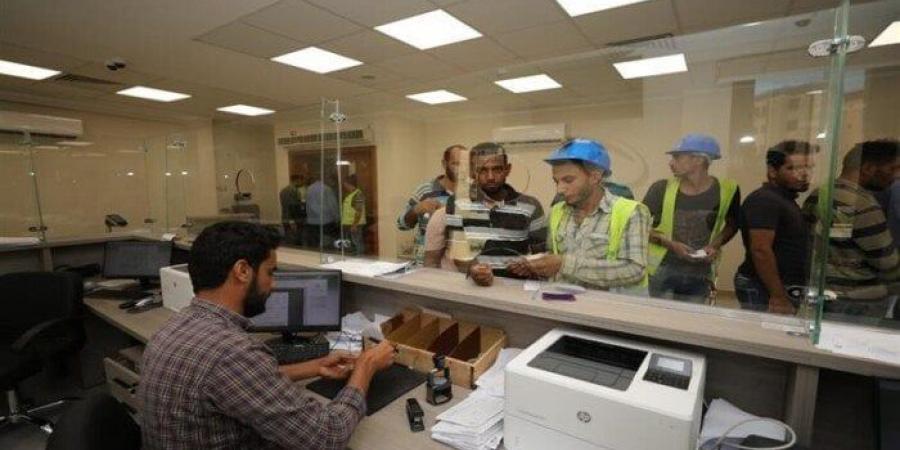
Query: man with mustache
{"points": [[775, 232], [207, 383], [596, 239], [428, 198]]}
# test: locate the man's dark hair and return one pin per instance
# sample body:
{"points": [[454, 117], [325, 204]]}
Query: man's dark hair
{"points": [[221, 245], [878, 152], [777, 155], [295, 177], [352, 180], [449, 150], [488, 149]]}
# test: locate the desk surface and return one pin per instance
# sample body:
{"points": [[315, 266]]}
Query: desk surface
{"points": [[736, 331], [388, 428]]}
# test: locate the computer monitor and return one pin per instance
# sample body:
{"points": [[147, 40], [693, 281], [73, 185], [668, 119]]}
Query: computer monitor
{"points": [[303, 301], [136, 259]]}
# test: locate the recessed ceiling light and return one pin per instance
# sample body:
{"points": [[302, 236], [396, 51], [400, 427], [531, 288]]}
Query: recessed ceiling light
{"points": [[751, 24], [184, 172], [890, 35], [25, 71], [436, 97], [158, 95], [245, 110], [429, 30], [75, 143], [814, 92], [747, 139], [581, 7], [343, 163], [821, 135], [317, 60], [650, 67], [529, 84], [47, 147], [130, 174]]}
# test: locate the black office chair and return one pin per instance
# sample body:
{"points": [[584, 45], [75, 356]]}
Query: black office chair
{"points": [[40, 323], [98, 422]]}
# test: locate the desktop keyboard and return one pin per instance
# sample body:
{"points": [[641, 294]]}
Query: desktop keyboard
{"points": [[287, 353], [116, 294]]}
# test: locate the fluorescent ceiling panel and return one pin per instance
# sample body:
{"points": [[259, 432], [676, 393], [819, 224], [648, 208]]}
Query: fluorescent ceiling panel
{"points": [[317, 60], [25, 71], [429, 30], [245, 110], [529, 84], [158, 95], [651, 67], [581, 7], [436, 97], [890, 35]]}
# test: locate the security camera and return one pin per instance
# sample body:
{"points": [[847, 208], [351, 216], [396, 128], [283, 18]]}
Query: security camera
{"points": [[115, 64]]}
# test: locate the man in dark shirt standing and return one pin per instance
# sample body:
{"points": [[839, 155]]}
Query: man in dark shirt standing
{"points": [[207, 384], [775, 233], [694, 215]]}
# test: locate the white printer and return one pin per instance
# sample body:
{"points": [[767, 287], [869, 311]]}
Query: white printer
{"points": [[177, 290], [574, 390]]}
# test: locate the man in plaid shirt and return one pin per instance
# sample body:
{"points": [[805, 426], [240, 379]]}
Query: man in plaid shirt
{"points": [[207, 384]]}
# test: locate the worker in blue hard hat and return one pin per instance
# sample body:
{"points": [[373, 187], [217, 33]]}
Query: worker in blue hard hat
{"points": [[694, 215], [596, 239]]}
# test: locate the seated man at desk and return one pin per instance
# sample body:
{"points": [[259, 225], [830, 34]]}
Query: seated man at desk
{"points": [[596, 239], [207, 383]]}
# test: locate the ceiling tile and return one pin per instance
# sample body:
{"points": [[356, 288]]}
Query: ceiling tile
{"points": [[476, 54], [360, 75], [701, 15], [535, 42], [301, 21], [245, 38], [619, 24], [499, 16], [421, 67], [368, 46], [378, 12]]}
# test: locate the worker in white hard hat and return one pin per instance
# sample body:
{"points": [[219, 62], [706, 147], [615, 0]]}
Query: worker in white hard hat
{"points": [[694, 215], [595, 239]]}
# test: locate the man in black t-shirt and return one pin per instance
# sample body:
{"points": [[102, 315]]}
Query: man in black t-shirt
{"points": [[775, 232], [694, 215]]}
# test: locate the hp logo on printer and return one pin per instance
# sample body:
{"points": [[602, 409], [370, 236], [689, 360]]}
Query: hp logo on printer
{"points": [[584, 417]]}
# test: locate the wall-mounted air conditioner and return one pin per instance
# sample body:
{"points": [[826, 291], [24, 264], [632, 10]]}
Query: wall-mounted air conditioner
{"points": [[40, 125], [551, 133], [313, 141]]}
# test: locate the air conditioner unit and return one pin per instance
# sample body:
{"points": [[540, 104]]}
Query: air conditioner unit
{"points": [[551, 133], [349, 138], [40, 125]]}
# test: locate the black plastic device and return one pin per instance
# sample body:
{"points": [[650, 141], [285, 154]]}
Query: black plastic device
{"points": [[415, 415]]}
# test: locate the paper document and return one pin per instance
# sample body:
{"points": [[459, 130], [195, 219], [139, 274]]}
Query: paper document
{"points": [[492, 381], [860, 342], [722, 415], [367, 268]]}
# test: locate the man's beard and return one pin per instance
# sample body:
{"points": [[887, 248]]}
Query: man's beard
{"points": [[254, 301]]}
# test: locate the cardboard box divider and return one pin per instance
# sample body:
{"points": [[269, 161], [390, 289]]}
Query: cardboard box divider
{"points": [[470, 349]]}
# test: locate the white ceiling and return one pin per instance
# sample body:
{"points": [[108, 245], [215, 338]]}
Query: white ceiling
{"points": [[218, 50]]}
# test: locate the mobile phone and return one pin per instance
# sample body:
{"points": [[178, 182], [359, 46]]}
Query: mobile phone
{"points": [[415, 415]]}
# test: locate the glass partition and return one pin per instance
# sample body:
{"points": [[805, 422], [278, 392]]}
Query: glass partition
{"points": [[856, 265], [19, 211]]}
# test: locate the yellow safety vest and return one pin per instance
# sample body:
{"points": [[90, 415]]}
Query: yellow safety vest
{"points": [[348, 213], [618, 222], [727, 188]]}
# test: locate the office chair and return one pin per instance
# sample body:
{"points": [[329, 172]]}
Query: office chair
{"points": [[40, 322], [98, 422]]}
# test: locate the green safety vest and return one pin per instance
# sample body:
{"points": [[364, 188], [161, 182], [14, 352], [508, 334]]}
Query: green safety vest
{"points": [[348, 213], [618, 222], [727, 188]]}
